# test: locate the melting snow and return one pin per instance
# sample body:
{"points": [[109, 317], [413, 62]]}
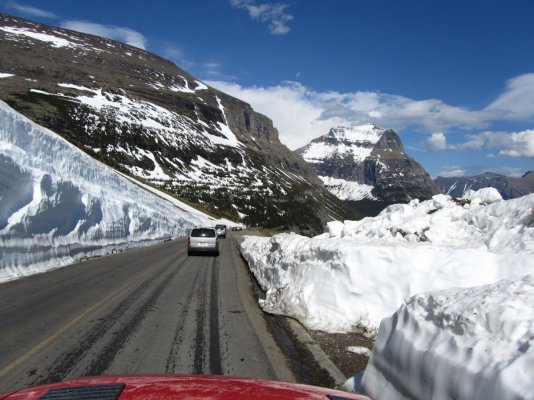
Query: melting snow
{"points": [[55, 41], [373, 264], [77, 87], [347, 190]]}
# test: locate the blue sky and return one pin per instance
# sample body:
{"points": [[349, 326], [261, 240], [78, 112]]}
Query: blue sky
{"points": [[455, 78]]}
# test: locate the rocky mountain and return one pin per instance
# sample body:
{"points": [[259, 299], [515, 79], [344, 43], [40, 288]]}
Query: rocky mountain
{"points": [[144, 116], [366, 165], [508, 187]]}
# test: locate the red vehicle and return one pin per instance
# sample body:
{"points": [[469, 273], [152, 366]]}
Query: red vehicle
{"points": [[176, 387]]}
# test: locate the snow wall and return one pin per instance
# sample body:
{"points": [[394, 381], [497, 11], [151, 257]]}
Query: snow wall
{"points": [[361, 271], [464, 344], [59, 205]]}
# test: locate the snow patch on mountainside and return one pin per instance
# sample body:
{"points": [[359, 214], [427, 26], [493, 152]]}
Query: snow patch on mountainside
{"points": [[61, 40], [347, 190], [58, 205], [229, 138], [168, 126]]}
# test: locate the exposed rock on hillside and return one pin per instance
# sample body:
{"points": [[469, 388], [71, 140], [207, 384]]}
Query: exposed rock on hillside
{"points": [[366, 163], [141, 114]]}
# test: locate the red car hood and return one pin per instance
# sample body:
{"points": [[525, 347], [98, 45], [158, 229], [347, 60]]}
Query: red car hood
{"points": [[176, 387]]}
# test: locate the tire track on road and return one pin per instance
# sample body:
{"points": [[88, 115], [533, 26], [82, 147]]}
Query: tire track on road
{"points": [[178, 339], [107, 355], [68, 360], [198, 361], [215, 348]]}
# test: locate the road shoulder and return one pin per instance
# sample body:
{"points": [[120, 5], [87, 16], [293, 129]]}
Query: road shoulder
{"points": [[335, 363]]}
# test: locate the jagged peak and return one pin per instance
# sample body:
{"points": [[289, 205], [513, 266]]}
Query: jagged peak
{"points": [[367, 133], [367, 127], [341, 141]]}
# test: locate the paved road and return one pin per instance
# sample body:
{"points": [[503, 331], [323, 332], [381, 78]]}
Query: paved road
{"points": [[151, 310]]}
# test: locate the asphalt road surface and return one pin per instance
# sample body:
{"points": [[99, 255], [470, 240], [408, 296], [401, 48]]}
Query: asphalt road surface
{"points": [[149, 310]]}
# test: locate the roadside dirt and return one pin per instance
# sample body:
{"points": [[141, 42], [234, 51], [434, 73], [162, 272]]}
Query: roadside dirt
{"points": [[335, 346]]}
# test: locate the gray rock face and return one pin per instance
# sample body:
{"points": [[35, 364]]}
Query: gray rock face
{"points": [[371, 159], [508, 187], [144, 116]]}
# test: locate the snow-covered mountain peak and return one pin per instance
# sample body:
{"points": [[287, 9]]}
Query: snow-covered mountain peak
{"points": [[367, 162], [357, 134], [354, 142]]}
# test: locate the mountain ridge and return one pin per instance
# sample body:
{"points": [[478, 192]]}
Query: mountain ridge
{"points": [[508, 187], [367, 163], [143, 115]]}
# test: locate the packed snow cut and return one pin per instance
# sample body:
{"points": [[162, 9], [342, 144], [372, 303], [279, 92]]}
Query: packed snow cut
{"points": [[359, 272], [469, 343], [449, 282], [58, 205]]}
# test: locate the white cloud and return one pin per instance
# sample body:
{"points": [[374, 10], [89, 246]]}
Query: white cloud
{"points": [[301, 114], [121, 34], [437, 142], [294, 109], [30, 10], [273, 14], [452, 171], [398, 111], [517, 100], [509, 144], [521, 144]]}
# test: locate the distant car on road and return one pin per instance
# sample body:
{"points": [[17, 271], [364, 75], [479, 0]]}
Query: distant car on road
{"points": [[203, 240], [221, 230]]}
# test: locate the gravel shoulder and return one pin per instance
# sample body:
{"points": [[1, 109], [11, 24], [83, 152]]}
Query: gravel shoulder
{"points": [[335, 347]]}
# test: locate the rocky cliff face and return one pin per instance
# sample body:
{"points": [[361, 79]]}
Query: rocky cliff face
{"points": [[144, 116], [368, 163], [508, 187]]}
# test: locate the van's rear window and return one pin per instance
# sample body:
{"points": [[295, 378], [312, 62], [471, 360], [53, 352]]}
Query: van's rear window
{"points": [[202, 232]]}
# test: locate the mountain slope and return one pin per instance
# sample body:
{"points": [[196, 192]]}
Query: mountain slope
{"points": [[508, 187], [366, 163], [144, 116]]}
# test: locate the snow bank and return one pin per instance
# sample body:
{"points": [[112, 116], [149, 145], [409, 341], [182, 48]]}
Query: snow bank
{"points": [[58, 205], [475, 343], [361, 271]]}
